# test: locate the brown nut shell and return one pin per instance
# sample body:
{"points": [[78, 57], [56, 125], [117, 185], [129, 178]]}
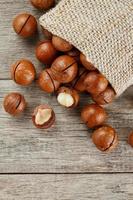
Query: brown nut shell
{"points": [[43, 4], [14, 103], [25, 25], [68, 97], [88, 65], [23, 72], [74, 53], [50, 121], [61, 44], [130, 139], [46, 81], [105, 97], [45, 52], [95, 83], [47, 34], [105, 138], [78, 83], [64, 69], [93, 115]]}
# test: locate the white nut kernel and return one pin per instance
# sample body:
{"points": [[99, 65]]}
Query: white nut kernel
{"points": [[65, 99], [42, 116]]}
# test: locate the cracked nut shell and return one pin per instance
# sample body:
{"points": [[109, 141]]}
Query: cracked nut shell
{"points": [[43, 117], [93, 115], [23, 72], [14, 103], [64, 69], [25, 25], [43, 4], [88, 65], [105, 97], [105, 138], [61, 44], [95, 83], [78, 83], [46, 81], [45, 52], [68, 97]]}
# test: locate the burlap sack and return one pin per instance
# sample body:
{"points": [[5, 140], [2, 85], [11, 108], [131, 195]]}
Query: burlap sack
{"points": [[102, 30]]}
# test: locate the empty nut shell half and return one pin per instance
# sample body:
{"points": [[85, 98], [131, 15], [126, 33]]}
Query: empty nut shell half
{"points": [[105, 138], [68, 97], [43, 117]]}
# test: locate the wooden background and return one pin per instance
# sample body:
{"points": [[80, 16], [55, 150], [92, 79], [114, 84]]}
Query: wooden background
{"points": [[60, 163]]}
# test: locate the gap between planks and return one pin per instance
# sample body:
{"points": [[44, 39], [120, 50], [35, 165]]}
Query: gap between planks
{"points": [[63, 173]]}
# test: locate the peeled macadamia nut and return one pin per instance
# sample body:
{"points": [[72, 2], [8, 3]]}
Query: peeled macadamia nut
{"points": [[45, 52], [64, 69], [95, 82], [14, 103], [43, 4], [25, 25], [23, 72], [68, 97], [88, 65], [43, 117], [105, 97], [105, 138], [61, 44], [46, 81], [93, 115], [65, 99]]}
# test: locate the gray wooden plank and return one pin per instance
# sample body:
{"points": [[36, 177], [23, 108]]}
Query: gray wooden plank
{"points": [[13, 47], [67, 146], [67, 187]]}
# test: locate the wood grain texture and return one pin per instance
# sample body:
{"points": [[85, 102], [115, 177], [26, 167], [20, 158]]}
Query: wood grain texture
{"points": [[14, 47], [67, 147], [67, 187]]}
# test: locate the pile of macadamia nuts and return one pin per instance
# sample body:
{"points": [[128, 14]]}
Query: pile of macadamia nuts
{"points": [[69, 74]]}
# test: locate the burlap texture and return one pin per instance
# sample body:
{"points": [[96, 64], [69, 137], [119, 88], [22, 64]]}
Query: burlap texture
{"points": [[102, 30]]}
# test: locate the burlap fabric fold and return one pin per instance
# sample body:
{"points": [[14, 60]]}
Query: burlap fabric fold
{"points": [[102, 30]]}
